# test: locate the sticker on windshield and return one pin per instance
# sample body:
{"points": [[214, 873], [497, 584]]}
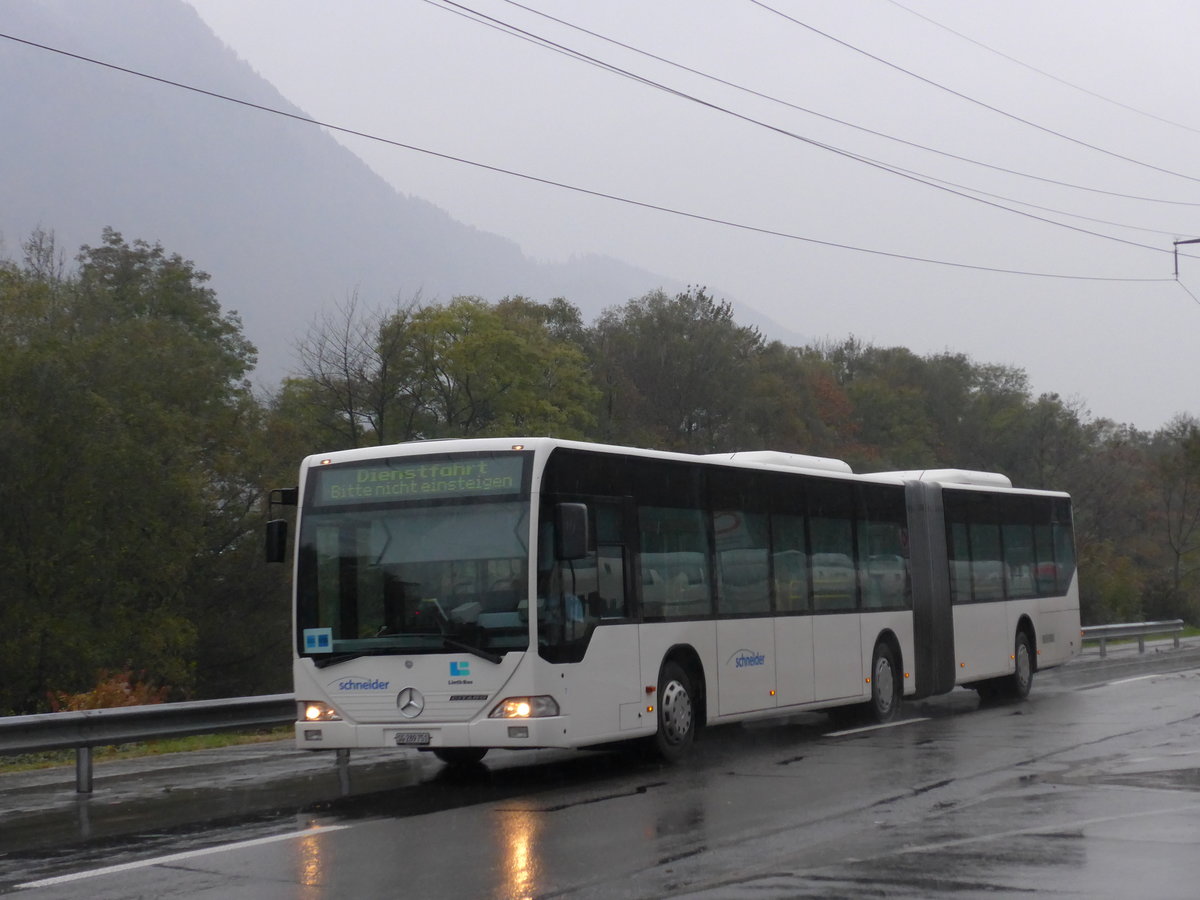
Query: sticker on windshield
{"points": [[318, 640]]}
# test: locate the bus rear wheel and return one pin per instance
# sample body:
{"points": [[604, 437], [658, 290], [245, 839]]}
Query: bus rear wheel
{"points": [[676, 713], [460, 756], [887, 687]]}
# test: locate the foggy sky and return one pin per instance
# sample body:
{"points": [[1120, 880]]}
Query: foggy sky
{"points": [[424, 74]]}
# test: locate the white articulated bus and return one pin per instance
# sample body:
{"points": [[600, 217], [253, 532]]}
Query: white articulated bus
{"points": [[463, 595]]}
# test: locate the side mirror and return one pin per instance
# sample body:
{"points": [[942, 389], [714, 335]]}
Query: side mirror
{"points": [[277, 528], [571, 531], [277, 540]]}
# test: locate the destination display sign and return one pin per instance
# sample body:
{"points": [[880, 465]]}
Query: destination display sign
{"points": [[424, 479]]}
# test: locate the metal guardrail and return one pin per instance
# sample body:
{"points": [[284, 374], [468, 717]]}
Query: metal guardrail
{"points": [[1139, 630], [84, 729]]}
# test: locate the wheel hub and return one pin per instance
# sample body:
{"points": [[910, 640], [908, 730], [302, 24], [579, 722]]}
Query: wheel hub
{"points": [[677, 712], [885, 686]]}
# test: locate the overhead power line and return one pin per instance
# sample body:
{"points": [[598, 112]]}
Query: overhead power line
{"points": [[968, 98], [812, 112], [1043, 73], [920, 178], [563, 185]]}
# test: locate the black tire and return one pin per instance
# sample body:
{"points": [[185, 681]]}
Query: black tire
{"points": [[887, 684], [848, 716], [676, 713], [460, 756], [1019, 683], [988, 691]]}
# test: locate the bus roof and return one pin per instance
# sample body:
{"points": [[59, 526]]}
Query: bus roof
{"points": [[746, 458], [780, 458], [950, 476]]}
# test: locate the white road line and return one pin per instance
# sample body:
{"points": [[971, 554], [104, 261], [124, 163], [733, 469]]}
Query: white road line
{"points": [[1153, 675], [1044, 828], [177, 857], [875, 727], [1136, 678]]}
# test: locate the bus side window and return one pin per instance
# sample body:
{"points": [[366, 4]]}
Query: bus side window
{"points": [[610, 582], [743, 566], [610, 561], [675, 559], [790, 563]]}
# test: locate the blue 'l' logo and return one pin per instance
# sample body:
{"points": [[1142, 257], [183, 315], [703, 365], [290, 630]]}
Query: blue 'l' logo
{"points": [[460, 669]]}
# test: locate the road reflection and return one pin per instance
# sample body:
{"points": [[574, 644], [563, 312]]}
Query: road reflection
{"points": [[310, 864], [519, 831]]}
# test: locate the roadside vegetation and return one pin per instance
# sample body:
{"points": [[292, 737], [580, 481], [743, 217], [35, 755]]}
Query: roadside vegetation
{"points": [[137, 455]]}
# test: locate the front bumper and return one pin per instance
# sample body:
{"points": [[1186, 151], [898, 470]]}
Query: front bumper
{"points": [[513, 734]]}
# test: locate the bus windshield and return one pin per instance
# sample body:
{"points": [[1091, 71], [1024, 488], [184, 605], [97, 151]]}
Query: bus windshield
{"points": [[423, 577]]}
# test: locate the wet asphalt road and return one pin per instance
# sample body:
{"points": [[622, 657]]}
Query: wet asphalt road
{"points": [[1089, 789]]}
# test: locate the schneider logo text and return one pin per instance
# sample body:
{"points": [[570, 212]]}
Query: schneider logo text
{"points": [[358, 684]]}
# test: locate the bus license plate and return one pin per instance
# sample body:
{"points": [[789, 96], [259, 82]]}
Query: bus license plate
{"points": [[412, 737]]}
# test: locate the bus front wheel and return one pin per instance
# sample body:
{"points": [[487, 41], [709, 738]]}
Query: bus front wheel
{"points": [[676, 713], [887, 687]]}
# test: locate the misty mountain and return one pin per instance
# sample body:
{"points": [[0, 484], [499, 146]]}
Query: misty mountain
{"points": [[285, 220]]}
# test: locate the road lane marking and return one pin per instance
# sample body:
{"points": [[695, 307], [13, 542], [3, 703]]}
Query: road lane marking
{"points": [[1153, 675], [177, 857], [1131, 680], [1047, 828], [875, 727]]}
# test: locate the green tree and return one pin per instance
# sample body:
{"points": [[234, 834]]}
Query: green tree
{"points": [[122, 393], [468, 368], [675, 372], [493, 370], [1175, 474]]}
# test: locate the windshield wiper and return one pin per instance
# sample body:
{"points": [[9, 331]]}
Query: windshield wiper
{"points": [[322, 661], [451, 644], [448, 643]]}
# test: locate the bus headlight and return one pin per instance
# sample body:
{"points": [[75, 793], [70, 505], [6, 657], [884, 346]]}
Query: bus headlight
{"points": [[525, 708], [316, 711]]}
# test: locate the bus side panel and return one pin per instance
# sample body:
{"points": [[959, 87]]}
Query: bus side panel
{"points": [[1058, 639], [933, 659], [794, 660], [839, 669], [602, 695], [1059, 635], [1057, 625], [746, 665], [982, 640]]}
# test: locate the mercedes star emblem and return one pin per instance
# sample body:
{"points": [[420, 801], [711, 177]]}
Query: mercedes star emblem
{"points": [[410, 703]]}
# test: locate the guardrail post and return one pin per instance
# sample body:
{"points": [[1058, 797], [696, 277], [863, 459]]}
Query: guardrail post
{"points": [[83, 770], [1141, 643], [1103, 648]]}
